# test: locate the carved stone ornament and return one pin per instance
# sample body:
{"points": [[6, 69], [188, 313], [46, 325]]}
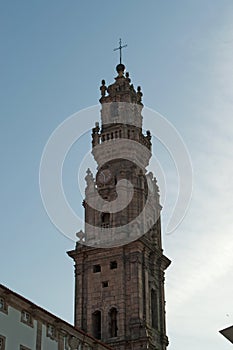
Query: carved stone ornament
{"points": [[73, 342]]}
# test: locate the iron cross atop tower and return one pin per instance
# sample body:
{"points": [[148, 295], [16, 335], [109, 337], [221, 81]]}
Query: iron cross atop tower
{"points": [[120, 48]]}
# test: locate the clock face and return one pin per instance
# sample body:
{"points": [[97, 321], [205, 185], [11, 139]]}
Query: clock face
{"points": [[104, 176]]}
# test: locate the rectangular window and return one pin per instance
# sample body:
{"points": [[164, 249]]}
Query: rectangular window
{"points": [[26, 317], [96, 268], [2, 342], [113, 265], [105, 284]]}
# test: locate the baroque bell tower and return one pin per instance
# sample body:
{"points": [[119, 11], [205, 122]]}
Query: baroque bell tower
{"points": [[119, 261]]}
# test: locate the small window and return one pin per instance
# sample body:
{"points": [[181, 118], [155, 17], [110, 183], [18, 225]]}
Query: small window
{"points": [[26, 317], [51, 331], [105, 284], [96, 268], [2, 342], [113, 265]]}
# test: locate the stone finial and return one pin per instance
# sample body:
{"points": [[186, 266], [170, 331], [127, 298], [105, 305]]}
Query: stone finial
{"points": [[103, 88], [120, 68], [156, 185], [148, 135], [89, 177], [81, 237], [150, 175], [95, 135], [127, 77], [90, 188], [96, 129], [139, 95]]}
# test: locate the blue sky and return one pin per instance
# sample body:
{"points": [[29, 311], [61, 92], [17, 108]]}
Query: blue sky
{"points": [[53, 56]]}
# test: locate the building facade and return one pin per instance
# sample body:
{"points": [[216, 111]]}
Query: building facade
{"points": [[119, 261], [26, 326]]}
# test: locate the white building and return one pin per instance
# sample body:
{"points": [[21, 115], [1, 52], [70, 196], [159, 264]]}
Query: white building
{"points": [[26, 326]]}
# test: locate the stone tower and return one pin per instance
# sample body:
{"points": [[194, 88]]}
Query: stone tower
{"points": [[119, 261]]}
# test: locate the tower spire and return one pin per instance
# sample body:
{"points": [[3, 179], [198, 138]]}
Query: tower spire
{"points": [[120, 49]]}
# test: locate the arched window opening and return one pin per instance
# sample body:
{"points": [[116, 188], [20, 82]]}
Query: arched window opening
{"points": [[113, 322], [105, 220], [154, 309], [96, 324]]}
